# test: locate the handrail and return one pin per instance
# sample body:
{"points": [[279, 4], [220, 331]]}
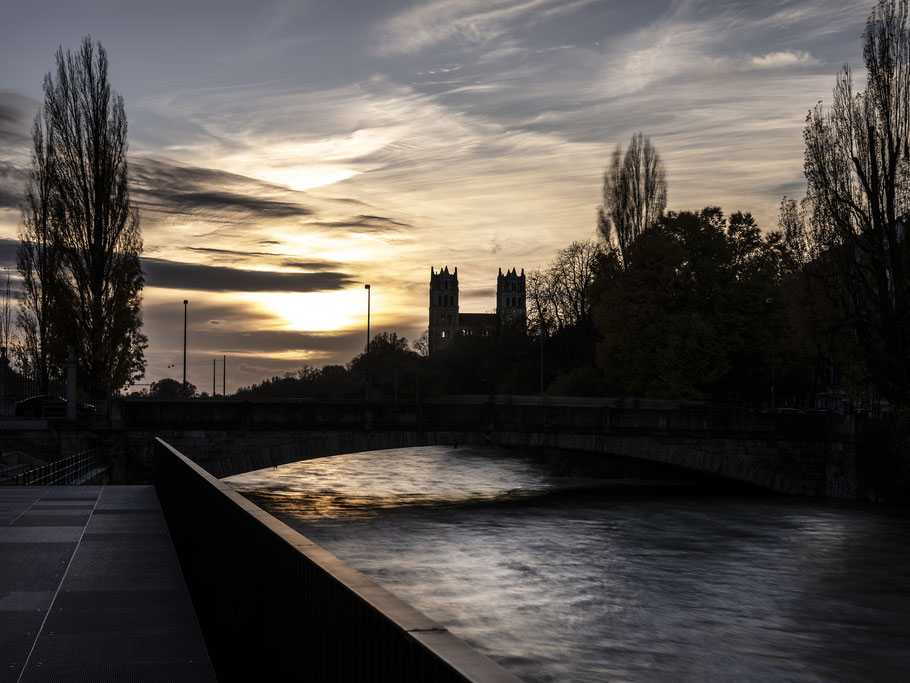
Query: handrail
{"points": [[273, 605], [64, 471]]}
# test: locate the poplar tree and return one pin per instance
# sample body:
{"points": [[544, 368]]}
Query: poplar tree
{"points": [[94, 227], [634, 194], [41, 299]]}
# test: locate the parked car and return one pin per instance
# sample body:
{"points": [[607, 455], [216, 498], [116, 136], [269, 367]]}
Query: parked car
{"points": [[49, 406]]}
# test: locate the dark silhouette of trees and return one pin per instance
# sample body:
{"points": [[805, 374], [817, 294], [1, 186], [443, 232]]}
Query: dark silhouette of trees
{"points": [[634, 194], [42, 302], [686, 317], [857, 167], [393, 374], [171, 388], [559, 295], [391, 366], [93, 227], [560, 304]]}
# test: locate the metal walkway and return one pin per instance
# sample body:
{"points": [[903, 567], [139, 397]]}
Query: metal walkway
{"points": [[91, 589]]}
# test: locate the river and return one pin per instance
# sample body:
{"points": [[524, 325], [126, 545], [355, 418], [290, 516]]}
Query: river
{"points": [[566, 579]]}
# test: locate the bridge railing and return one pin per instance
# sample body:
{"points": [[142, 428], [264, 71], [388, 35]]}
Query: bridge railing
{"points": [[73, 469], [275, 606]]}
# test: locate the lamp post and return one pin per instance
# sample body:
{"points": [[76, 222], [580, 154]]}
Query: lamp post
{"points": [[185, 302], [367, 394], [770, 302]]}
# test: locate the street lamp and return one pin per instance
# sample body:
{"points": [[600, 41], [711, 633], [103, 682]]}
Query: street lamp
{"points": [[770, 302], [367, 394], [185, 302]]}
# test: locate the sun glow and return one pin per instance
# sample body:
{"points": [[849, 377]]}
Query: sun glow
{"points": [[305, 177], [316, 311]]}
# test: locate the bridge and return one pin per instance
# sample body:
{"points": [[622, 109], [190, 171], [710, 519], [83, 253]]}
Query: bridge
{"points": [[270, 603], [794, 454]]}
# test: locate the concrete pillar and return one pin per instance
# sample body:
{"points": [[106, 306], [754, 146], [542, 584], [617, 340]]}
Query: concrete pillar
{"points": [[71, 385]]}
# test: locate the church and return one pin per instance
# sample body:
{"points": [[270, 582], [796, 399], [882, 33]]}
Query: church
{"points": [[446, 322]]}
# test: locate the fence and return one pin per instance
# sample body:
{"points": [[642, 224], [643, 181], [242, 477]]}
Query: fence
{"points": [[70, 470], [275, 606], [24, 397]]}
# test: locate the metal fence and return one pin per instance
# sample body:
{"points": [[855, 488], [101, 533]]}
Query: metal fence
{"points": [[73, 469], [24, 397]]}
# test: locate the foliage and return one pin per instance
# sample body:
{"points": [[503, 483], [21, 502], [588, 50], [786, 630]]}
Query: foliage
{"points": [[634, 194], [80, 238], [171, 388], [389, 367], [559, 296], [687, 316], [392, 368], [857, 166], [43, 305]]}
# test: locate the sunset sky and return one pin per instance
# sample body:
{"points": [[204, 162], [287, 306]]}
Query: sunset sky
{"points": [[284, 153]]}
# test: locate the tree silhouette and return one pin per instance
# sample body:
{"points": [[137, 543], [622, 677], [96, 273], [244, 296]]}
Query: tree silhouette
{"points": [[857, 168], [634, 194], [559, 296], [39, 260], [171, 388], [93, 222]]}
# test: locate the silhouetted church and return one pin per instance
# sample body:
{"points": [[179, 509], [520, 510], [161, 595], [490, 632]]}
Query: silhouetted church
{"points": [[446, 322]]}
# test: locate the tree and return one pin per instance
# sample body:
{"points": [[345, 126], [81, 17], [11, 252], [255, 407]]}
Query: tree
{"points": [[391, 366], [634, 194], [42, 299], [857, 166], [560, 296], [171, 388], [94, 224], [686, 316]]}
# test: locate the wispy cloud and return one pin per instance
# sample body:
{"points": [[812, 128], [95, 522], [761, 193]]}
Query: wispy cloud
{"points": [[785, 58], [178, 188], [470, 22], [193, 276], [365, 147]]}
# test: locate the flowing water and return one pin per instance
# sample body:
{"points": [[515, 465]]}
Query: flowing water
{"points": [[563, 579]]}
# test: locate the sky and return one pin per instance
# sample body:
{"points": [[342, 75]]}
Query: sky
{"points": [[283, 154]]}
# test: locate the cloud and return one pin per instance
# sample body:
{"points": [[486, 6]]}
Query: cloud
{"points": [[469, 22], [785, 58], [8, 248], [9, 198], [174, 275], [172, 187], [311, 265], [233, 255], [16, 112], [366, 223]]}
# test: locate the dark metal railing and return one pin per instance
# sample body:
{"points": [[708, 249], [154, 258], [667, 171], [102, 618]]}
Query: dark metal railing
{"points": [[275, 606], [69, 470]]}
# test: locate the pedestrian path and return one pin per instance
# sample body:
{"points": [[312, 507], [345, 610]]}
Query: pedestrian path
{"points": [[91, 589]]}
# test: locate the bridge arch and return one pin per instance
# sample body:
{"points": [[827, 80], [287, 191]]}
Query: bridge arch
{"points": [[793, 454]]}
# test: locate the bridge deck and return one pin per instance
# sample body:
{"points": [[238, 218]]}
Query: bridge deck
{"points": [[91, 589]]}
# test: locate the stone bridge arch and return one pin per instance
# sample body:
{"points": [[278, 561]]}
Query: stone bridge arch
{"points": [[793, 454]]}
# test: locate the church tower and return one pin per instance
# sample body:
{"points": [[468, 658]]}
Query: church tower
{"points": [[443, 308], [510, 298]]}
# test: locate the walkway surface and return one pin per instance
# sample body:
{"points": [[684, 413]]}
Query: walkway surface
{"points": [[91, 589]]}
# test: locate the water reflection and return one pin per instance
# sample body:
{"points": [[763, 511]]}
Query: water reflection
{"points": [[559, 582]]}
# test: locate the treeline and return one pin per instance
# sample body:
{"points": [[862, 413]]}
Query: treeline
{"points": [[699, 305]]}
